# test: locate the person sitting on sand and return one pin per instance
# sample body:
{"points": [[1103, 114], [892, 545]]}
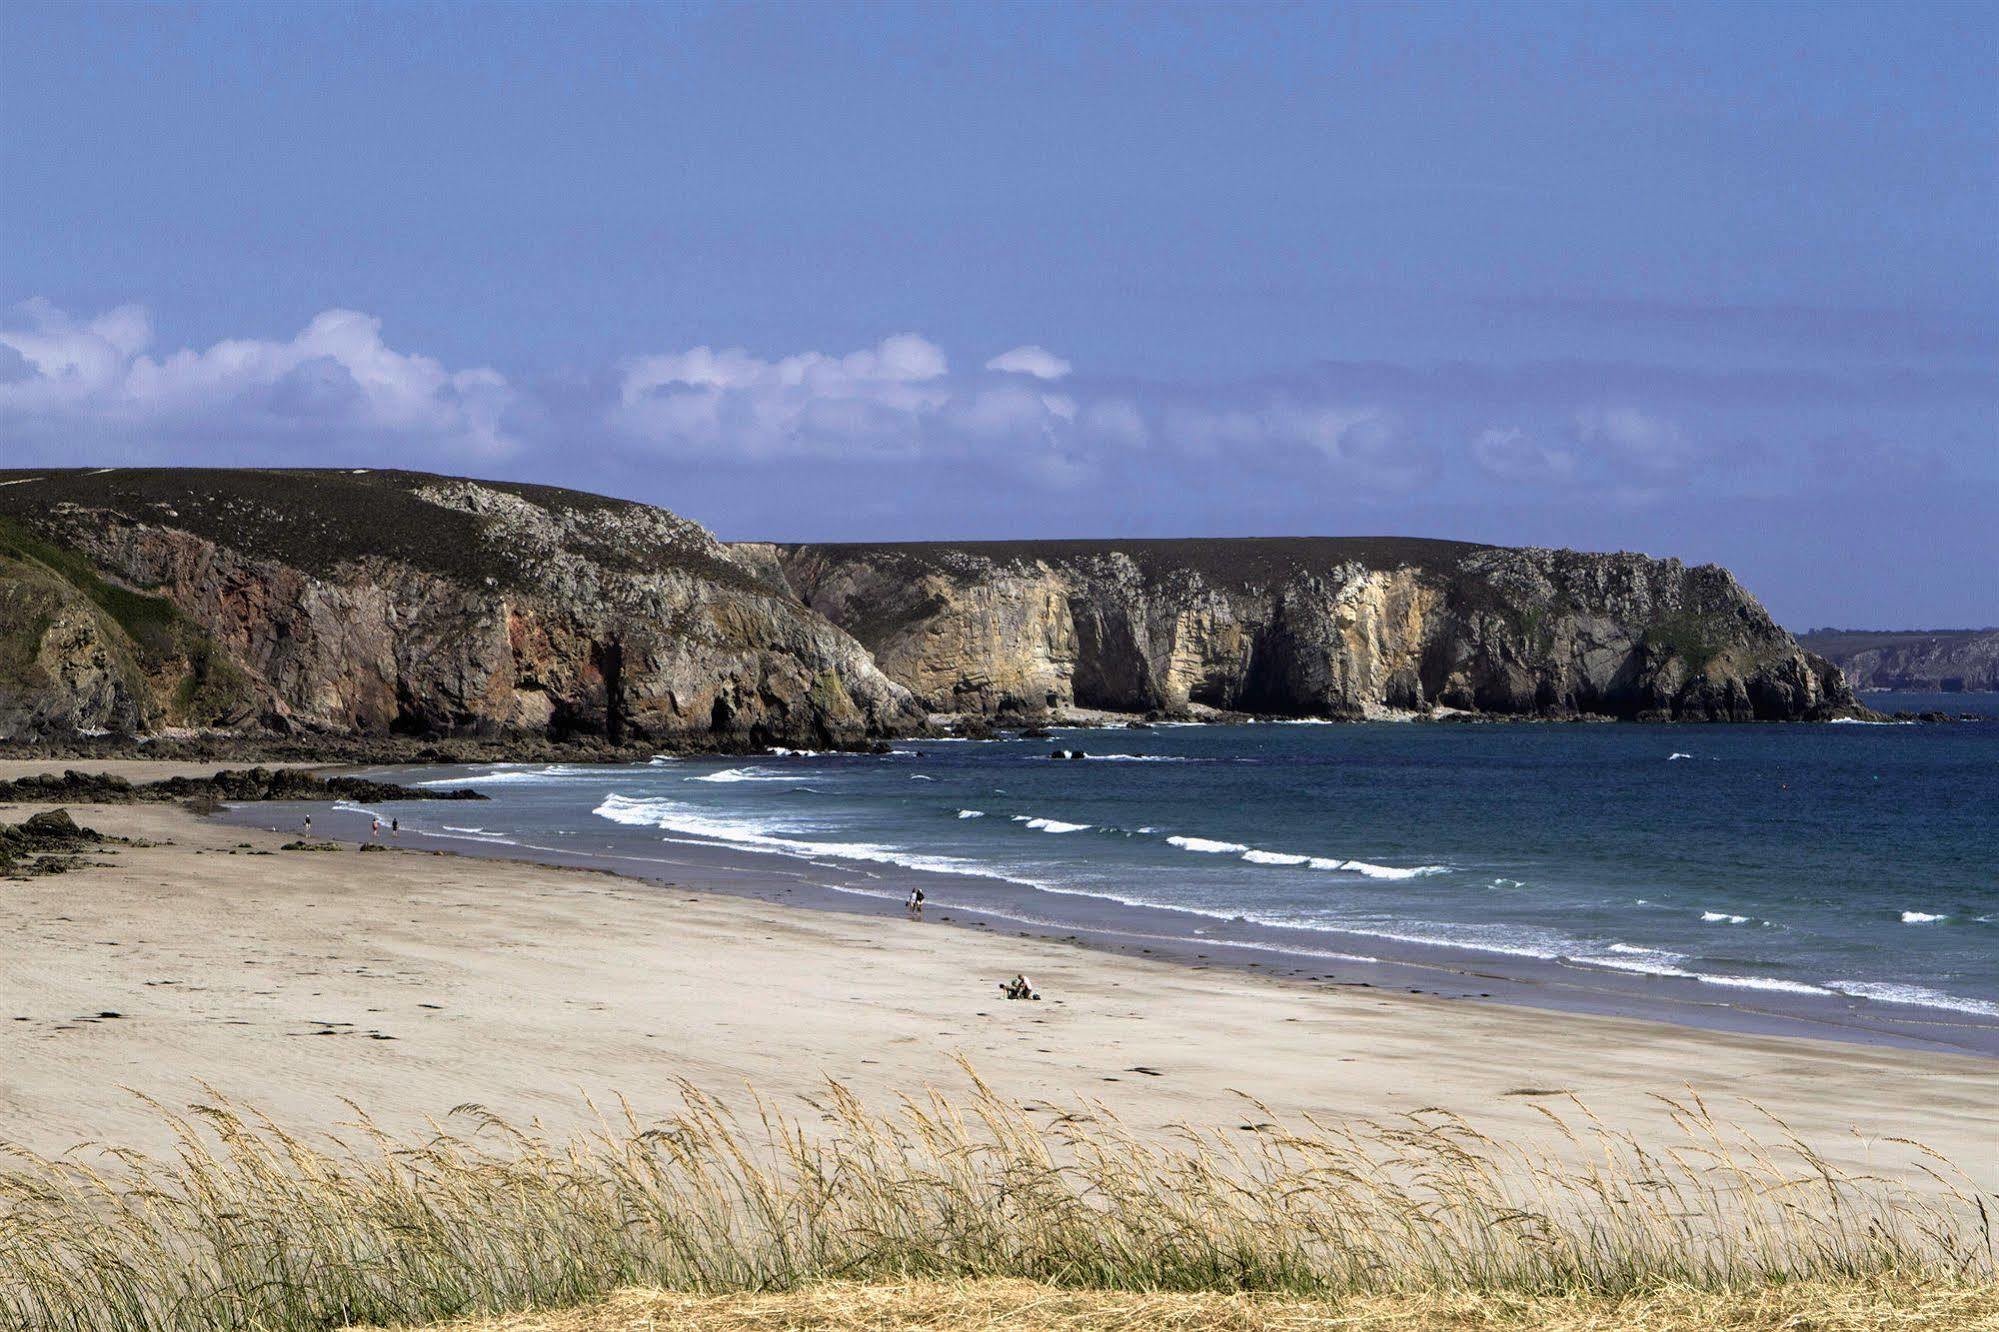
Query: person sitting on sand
{"points": [[1020, 987]]}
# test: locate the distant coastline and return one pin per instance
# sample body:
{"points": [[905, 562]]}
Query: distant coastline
{"points": [[1940, 661]]}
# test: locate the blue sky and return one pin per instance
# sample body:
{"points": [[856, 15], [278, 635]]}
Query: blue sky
{"points": [[1719, 282]]}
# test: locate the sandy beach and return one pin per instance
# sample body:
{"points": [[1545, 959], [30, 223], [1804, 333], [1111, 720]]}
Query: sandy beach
{"points": [[410, 982]]}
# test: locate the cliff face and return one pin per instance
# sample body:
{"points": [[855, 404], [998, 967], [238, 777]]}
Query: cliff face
{"points": [[1311, 626], [1942, 662], [381, 601], [364, 603], [64, 666]]}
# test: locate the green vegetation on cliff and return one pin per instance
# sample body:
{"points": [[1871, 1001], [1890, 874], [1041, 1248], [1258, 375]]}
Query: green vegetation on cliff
{"points": [[157, 649]]}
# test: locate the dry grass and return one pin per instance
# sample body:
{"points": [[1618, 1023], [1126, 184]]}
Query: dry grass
{"points": [[1024, 1306], [249, 1226]]}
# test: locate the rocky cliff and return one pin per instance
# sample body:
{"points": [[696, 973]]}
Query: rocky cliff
{"points": [[359, 603], [1942, 661], [134, 600], [1310, 626]]}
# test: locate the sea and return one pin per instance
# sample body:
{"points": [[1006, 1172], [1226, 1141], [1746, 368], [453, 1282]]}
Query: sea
{"points": [[1836, 880]]}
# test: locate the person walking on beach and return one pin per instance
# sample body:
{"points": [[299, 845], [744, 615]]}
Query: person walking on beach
{"points": [[374, 827], [395, 827], [308, 825], [915, 903]]}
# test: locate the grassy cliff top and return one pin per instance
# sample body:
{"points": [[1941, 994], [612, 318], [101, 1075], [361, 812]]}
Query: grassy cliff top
{"points": [[1846, 642], [1223, 560], [317, 519]]}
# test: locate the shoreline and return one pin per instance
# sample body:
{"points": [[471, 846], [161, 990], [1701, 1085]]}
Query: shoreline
{"points": [[242, 749], [1315, 958], [1324, 956], [407, 982]]}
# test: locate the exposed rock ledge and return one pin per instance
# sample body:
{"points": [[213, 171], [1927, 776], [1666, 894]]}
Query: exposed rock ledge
{"points": [[1332, 627]]}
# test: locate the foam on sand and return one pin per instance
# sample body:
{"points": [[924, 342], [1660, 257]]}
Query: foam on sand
{"points": [[1657, 964], [1921, 996]]}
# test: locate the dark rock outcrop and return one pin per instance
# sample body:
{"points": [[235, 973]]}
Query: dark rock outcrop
{"points": [[133, 600], [98, 788], [45, 843], [1334, 627]]}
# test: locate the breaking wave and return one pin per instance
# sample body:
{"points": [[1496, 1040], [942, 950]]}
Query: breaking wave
{"points": [[1138, 758], [1255, 856], [1204, 844], [772, 838], [1050, 825]]}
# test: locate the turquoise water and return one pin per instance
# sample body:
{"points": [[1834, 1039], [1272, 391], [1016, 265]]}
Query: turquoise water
{"points": [[1855, 866]]}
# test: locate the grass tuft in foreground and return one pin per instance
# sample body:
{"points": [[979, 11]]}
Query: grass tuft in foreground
{"points": [[249, 1226], [1024, 1306]]}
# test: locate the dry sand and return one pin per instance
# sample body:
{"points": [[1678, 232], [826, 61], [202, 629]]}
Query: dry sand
{"points": [[411, 982]]}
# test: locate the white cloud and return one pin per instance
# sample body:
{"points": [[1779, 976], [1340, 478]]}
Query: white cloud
{"points": [[731, 403], [896, 401], [1030, 360], [1512, 454], [1009, 411], [77, 388], [335, 380], [1367, 443], [1630, 436], [1116, 421]]}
